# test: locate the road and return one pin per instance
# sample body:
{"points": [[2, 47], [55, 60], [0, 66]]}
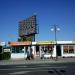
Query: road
{"points": [[38, 69]]}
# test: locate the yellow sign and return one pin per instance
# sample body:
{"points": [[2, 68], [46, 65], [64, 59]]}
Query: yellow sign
{"points": [[46, 42], [73, 42]]}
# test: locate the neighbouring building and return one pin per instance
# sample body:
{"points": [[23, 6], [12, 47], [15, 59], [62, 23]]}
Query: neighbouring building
{"points": [[46, 49]]}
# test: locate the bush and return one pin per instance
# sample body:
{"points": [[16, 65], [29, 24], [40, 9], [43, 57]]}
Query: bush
{"points": [[5, 56]]}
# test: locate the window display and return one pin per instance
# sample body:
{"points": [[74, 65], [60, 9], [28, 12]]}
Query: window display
{"points": [[68, 49]]}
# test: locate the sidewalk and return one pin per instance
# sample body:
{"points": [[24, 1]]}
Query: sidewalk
{"points": [[36, 61]]}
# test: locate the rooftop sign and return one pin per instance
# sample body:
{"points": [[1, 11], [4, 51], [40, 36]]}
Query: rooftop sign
{"points": [[46, 42], [2, 43]]}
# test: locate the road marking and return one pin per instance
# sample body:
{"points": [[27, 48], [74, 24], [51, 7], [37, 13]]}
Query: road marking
{"points": [[24, 72], [44, 65], [21, 72], [21, 66], [35, 68]]}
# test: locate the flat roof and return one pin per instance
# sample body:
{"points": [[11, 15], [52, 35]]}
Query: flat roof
{"points": [[41, 43]]}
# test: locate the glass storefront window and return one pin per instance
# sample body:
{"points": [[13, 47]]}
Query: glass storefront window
{"points": [[17, 49], [71, 49], [65, 49], [68, 49]]}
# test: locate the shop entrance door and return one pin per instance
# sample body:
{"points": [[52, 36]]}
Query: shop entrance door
{"points": [[58, 50]]}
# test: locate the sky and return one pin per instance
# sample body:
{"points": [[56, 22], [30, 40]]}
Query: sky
{"points": [[48, 12]]}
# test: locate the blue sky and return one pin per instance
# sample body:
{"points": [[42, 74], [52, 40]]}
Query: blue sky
{"points": [[49, 12]]}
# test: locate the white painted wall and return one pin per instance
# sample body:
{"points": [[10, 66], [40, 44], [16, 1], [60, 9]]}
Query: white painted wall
{"points": [[61, 50], [64, 42], [68, 55], [54, 51], [18, 55]]}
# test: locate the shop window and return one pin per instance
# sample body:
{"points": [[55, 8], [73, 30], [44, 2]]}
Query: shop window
{"points": [[17, 49], [71, 49], [68, 49], [65, 49], [48, 49]]}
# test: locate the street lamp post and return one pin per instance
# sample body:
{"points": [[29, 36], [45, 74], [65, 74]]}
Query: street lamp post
{"points": [[55, 29]]}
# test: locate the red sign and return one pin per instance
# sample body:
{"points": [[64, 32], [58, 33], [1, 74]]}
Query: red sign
{"points": [[20, 43]]}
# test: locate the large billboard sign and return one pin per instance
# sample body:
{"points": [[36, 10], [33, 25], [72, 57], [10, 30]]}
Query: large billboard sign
{"points": [[28, 27]]}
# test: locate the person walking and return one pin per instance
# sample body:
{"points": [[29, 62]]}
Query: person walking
{"points": [[32, 55], [28, 55]]}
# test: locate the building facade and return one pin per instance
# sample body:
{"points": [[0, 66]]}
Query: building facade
{"points": [[43, 49]]}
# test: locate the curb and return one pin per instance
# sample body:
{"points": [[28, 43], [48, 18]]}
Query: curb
{"points": [[45, 61]]}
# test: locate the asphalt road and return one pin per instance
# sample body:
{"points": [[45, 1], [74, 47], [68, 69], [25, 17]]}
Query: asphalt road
{"points": [[38, 69]]}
